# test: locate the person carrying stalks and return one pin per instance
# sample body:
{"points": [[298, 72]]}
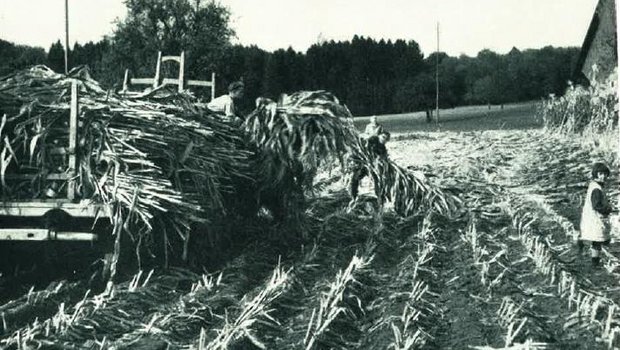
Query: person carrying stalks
{"points": [[373, 128], [376, 150]]}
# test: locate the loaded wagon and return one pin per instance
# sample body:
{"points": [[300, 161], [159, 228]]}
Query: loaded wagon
{"points": [[63, 166], [42, 202], [46, 218]]}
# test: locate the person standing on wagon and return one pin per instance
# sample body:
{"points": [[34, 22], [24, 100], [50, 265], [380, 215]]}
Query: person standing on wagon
{"points": [[594, 226], [225, 104]]}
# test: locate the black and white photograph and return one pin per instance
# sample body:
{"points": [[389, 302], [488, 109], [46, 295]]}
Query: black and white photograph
{"points": [[309, 174]]}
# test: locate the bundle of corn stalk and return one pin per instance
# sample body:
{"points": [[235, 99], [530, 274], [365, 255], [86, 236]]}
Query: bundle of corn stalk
{"points": [[144, 157], [307, 130], [311, 130]]}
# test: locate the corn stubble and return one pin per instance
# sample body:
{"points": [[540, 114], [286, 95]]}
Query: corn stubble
{"points": [[473, 252]]}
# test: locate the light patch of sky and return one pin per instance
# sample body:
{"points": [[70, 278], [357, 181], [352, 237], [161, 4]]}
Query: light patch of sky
{"points": [[466, 26], [42, 22]]}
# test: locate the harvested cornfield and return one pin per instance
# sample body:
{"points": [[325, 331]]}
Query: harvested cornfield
{"points": [[472, 250]]}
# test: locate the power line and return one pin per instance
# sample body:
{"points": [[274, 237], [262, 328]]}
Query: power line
{"points": [[437, 77], [66, 36]]}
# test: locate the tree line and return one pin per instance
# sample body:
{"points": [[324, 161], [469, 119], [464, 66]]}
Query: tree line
{"points": [[370, 76]]}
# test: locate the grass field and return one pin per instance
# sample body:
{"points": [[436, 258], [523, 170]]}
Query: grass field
{"points": [[469, 118], [502, 273]]}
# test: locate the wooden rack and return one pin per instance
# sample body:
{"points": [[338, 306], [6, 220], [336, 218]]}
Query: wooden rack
{"points": [[157, 81]]}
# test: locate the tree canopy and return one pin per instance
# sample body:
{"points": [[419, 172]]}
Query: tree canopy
{"points": [[370, 76], [13, 57]]}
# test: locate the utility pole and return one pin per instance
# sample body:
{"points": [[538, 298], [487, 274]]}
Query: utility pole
{"points": [[437, 77], [66, 36]]}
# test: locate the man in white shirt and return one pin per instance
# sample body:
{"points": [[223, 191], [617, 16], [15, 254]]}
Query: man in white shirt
{"points": [[225, 104]]}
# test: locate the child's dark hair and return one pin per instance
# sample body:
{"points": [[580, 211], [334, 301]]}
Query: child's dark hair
{"points": [[386, 133], [600, 168]]}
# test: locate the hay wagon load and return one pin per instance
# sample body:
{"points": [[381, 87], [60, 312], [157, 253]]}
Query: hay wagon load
{"points": [[42, 197], [158, 167], [75, 158]]}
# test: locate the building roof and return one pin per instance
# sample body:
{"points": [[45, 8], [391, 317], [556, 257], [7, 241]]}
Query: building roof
{"points": [[591, 34]]}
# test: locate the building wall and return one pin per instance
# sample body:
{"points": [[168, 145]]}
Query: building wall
{"points": [[603, 50]]}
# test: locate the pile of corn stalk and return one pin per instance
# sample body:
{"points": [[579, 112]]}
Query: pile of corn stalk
{"points": [[162, 156], [144, 157], [311, 130]]}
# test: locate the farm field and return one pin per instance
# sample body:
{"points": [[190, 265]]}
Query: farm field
{"points": [[468, 118], [499, 273]]}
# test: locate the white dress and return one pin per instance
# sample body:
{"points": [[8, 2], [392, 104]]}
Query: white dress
{"points": [[594, 227]]}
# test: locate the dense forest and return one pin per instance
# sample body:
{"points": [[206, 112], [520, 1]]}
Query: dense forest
{"points": [[370, 76]]}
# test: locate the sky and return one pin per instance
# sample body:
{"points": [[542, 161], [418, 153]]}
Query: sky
{"points": [[465, 26]]}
